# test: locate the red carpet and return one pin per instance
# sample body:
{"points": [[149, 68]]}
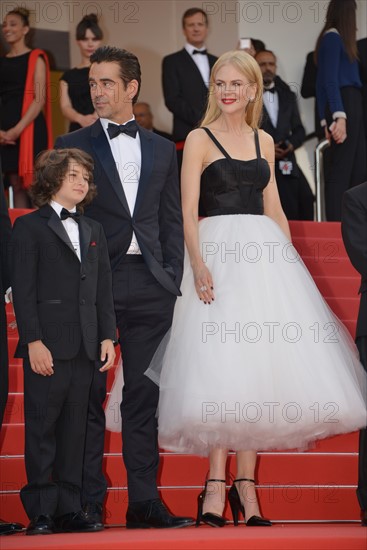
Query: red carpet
{"points": [[318, 485], [278, 537]]}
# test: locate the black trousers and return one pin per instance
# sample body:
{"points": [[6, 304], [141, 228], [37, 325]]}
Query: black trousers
{"points": [[362, 457], [295, 195], [347, 163], [144, 311], [55, 426], [94, 485]]}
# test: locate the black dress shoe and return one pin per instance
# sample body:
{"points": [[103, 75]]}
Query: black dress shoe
{"points": [[9, 528], [41, 525], [75, 523], [93, 513], [364, 518], [153, 513]]}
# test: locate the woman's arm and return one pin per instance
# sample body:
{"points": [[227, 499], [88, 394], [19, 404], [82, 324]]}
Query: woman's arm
{"points": [[68, 110], [192, 166], [37, 104], [272, 205]]}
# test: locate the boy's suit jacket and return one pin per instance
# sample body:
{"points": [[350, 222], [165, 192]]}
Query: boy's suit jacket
{"points": [[57, 298]]}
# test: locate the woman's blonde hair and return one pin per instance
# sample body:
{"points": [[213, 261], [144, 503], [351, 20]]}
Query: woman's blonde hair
{"points": [[249, 67]]}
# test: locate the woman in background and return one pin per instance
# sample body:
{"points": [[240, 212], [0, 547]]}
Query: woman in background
{"points": [[339, 100], [75, 101], [24, 92]]}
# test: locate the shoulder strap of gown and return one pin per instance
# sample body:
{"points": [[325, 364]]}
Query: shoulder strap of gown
{"points": [[257, 144], [214, 139]]}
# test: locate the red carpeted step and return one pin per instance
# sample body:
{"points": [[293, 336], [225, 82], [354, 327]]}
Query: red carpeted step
{"points": [[288, 503], [190, 471], [340, 269], [338, 287]]}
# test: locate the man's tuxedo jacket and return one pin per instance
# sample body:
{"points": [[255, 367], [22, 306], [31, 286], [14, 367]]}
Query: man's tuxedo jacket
{"points": [[157, 218], [289, 125], [57, 298], [185, 92], [354, 231]]}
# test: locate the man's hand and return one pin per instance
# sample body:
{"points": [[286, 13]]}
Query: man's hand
{"points": [[280, 151], [40, 358], [107, 352]]}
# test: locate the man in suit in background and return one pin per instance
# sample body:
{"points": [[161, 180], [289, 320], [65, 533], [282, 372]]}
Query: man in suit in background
{"points": [[185, 78], [185, 75], [354, 231], [144, 117], [281, 119], [139, 207]]}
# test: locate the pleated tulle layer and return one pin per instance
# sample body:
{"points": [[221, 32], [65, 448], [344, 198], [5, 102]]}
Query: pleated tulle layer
{"points": [[267, 365]]}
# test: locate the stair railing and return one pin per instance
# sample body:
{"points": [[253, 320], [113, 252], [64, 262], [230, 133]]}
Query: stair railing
{"points": [[320, 180]]}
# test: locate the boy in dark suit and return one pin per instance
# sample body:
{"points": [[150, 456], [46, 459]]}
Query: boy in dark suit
{"points": [[62, 288]]}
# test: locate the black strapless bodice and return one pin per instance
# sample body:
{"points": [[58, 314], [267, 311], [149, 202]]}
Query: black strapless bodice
{"points": [[230, 186]]}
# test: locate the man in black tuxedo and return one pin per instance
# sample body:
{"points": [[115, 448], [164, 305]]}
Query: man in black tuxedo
{"points": [[354, 231], [185, 75], [281, 119], [138, 205]]}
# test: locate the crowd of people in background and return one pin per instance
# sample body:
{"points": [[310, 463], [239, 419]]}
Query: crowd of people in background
{"points": [[185, 77], [123, 265]]}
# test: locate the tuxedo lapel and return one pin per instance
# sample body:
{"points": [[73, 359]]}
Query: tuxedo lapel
{"points": [[54, 223], [103, 152], [191, 69], [85, 232], [147, 158]]}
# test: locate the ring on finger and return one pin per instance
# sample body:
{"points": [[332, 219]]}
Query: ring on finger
{"points": [[203, 288]]}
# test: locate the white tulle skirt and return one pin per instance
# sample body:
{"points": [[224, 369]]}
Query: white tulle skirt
{"points": [[267, 365]]}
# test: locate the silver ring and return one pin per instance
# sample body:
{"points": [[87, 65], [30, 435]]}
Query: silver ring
{"points": [[203, 288]]}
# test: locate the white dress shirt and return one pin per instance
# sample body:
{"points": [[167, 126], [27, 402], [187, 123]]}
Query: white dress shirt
{"points": [[271, 102], [126, 152], [201, 61], [71, 227]]}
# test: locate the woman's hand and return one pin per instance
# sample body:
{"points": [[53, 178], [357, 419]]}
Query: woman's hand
{"points": [[338, 130], [203, 283], [6, 137]]}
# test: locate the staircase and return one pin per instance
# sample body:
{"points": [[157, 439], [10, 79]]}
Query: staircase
{"points": [[313, 486]]}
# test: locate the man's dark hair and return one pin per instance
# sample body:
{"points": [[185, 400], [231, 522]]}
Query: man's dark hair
{"points": [[50, 170], [265, 51], [193, 11], [127, 61]]}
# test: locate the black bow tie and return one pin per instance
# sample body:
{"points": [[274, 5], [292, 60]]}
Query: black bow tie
{"points": [[203, 52], [130, 129], [271, 90], [64, 214]]}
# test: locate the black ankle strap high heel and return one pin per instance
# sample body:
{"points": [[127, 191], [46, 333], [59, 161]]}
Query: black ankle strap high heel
{"points": [[210, 519], [237, 506]]}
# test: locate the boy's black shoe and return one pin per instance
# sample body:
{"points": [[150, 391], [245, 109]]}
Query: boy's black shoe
{"points": [[75, 523], [41, 525], [9, 527]]}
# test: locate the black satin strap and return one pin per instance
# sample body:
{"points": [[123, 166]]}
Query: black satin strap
{"points": [[220, 147], [257, 144]]}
